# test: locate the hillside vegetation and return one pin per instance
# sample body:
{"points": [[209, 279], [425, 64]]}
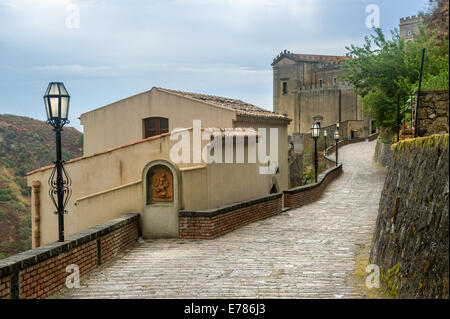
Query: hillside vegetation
{"points": [[25, 144]]}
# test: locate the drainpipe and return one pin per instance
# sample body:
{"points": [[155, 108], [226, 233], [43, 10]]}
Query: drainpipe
{"points": [[37, 213]]}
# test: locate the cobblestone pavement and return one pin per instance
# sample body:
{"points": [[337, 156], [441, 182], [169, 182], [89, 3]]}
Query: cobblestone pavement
{"points": [[303, 253]]}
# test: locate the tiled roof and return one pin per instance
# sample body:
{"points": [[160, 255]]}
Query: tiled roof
{"points": [[231, 132], [241, 107]]}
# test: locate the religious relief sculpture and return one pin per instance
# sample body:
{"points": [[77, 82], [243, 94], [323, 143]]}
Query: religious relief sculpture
{"points": [[162, 183]]}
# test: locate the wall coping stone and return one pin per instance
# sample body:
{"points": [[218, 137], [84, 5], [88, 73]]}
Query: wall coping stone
{"points": [[320, 180], [433, 91], [34, 256], [224, 209]]}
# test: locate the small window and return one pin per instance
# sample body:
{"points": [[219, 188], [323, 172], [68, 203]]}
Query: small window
{"points": [[409, 32], [284, 88], [155, 126], [335, 81], [320, 83]]}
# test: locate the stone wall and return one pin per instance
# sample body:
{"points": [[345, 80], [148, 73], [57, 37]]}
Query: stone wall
{"points": [[40, 272], [411, 240], [207, 224], [382, 155], [433, 113]]}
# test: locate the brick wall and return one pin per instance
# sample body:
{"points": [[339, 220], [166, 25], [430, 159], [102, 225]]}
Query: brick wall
{"points": [[4, 287], [40, 272], [215, 222], [117, 241], [373, 137], [299, 196]]}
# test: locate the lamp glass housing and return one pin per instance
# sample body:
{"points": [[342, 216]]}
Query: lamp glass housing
{"points": [[336, 135], [315, 130], [325, 133], [56, 101]]}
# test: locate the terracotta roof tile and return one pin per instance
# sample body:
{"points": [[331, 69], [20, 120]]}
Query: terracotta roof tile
{"points": [[241, 107]]}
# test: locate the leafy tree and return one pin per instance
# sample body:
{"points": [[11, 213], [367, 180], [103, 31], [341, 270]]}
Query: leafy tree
{"points": [[80, 140], [5, 195], [25, 231], [385, 71], [8, 162]]}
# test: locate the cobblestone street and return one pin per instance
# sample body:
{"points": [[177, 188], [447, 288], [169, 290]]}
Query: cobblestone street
{"points": [[303, 253]]}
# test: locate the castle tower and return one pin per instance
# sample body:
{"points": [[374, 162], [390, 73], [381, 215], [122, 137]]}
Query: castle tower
{"points": [[409, 26]]}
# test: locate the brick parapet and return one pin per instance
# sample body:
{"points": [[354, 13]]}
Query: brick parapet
{"points": [[207, 224], [39, 272], [303, 195]]}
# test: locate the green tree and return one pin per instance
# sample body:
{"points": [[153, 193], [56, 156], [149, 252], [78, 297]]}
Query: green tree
{"points": [[383, 71], [25, 231], [80, 140]]}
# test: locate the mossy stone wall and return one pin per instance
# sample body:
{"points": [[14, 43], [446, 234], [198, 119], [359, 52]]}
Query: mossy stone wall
{"points": [[411, 240]]}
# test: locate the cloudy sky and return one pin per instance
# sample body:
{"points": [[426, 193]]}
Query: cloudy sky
{"points": [[105, 50]]}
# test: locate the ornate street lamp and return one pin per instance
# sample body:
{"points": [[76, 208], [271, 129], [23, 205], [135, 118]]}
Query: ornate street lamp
{"points": [[325, 135], [315, 133], [56, 101], [336, 139]]}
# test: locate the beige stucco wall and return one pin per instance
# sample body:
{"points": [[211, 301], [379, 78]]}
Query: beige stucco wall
{"points": [[97, 174], [282, 177], [122, 122], [108, 185]]}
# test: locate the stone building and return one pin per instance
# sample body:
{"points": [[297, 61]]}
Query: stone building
{"points": [[128, 165], [409, 26], [307, 88]]}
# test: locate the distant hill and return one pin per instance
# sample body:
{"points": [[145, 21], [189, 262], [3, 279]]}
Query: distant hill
{"points": [[25, 144], [437, 19]]}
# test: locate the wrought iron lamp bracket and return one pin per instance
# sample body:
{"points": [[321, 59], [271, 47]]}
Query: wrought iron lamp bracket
{"points": [[66, 191]]}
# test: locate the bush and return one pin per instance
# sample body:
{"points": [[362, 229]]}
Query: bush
{"points": [[25, 231], [24, 189], [2, 214], [66, 155], [8, 162], [80, 140], [5, 195]]}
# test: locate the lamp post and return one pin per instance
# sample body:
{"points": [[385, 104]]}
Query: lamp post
{"points": [[315, 133], [56, 101], [325, 136], [336, 139]]}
